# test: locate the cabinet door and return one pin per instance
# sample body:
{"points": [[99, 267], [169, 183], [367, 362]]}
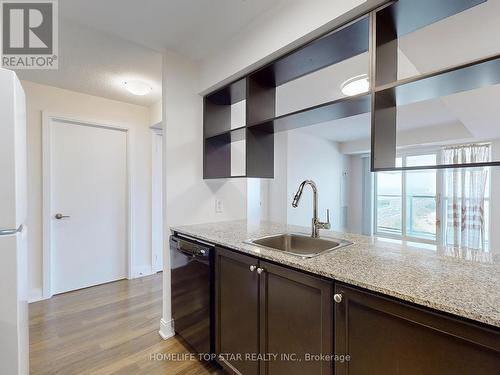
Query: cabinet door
{"points": [[236, 311], [385, 336], [296, 319]]}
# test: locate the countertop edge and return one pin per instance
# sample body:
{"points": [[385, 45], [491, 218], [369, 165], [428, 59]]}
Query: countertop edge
{"points": [[478, 318]]}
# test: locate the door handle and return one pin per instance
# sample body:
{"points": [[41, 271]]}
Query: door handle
{"points": [[61, 216]]}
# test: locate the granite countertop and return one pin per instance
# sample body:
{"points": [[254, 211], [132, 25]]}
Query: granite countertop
{"points": [[463, 283]]}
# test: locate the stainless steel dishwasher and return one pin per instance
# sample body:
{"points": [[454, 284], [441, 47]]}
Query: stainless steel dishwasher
{"points": [[192, 292]]}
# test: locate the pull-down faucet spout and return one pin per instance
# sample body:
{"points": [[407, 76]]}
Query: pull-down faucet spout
{"points": [[316, 224]]}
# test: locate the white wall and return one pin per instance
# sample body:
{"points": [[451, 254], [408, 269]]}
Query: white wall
{"points": [[188, 198], [355, 214], [69, 103], [300, 156], [155, 113], [317, 159]]}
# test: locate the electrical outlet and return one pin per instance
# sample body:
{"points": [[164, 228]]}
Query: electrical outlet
{"points": [[219, 206]]}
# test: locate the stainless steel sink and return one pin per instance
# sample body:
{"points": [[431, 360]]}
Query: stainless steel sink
{"points": [[299, 244]]}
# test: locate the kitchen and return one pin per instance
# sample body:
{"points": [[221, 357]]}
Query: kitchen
{"points": [[402, 276], [309, 188]]}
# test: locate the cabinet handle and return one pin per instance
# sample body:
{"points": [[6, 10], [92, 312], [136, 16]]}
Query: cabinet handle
{"points": [[337, 297], [253, 268], [260, 270]]}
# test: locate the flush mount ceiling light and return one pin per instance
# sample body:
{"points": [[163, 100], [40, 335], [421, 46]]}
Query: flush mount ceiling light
{"points": [[138, 87], [355, 85]]}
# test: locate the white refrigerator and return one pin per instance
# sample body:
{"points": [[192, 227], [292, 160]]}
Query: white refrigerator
{"points": [[14, 342]]}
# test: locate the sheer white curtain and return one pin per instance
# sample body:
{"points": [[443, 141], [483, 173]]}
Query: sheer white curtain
{"points": [[465, 196]]}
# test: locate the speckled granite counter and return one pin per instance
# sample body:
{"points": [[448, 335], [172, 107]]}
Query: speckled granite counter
{"points": [[464, 284]]}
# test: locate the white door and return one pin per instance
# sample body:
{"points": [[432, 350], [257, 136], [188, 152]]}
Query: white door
{"points": [[14, 341], [89, 186]]}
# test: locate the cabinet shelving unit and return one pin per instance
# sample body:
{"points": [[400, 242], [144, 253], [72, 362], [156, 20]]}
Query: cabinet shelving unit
{"points": [[258, 89], [390, 92], [377, 33]]}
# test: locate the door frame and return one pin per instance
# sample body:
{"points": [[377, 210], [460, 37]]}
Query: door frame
{"points": [[47, 119], [156, 160]]}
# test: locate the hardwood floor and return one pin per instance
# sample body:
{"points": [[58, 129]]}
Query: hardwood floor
{"points": [[106, 329]]}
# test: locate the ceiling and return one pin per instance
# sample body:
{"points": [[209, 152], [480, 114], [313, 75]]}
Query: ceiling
{"points": [[106, 42], [193, 28], [95, 63], [111, 41]]}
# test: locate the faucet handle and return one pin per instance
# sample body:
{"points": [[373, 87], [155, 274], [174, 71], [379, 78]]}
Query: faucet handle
{"points": [[327, 224]]}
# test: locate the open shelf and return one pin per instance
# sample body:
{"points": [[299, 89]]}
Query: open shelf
{"points": [[482, 73], [467, 77], [236, 134], [377, 34], [230, 94], [217, 108], [224, 177], [339, 45], [404, 17], [387, 99], [258, 89], [410, 15], [330, 111]]}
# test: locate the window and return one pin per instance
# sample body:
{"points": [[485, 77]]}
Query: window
{"points": [[388, 203], [418, 205], [406, 201]]}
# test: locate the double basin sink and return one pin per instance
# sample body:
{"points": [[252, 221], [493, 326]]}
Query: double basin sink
{"points": [[299, 244]]}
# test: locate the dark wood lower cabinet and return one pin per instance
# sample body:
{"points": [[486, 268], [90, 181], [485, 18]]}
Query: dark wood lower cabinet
{"points": [[384, 336], [278, 320], [296, 322], [236, 311], [272, 320]]}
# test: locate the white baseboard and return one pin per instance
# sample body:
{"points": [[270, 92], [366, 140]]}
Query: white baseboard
{"points": [[142, 271], [166, 329], [35, 295]]}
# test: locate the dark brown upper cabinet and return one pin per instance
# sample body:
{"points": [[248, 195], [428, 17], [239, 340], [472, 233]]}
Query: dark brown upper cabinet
{"points": [[300, 89], [432, 74], [224, 131], [384, 336], [436, 70]]}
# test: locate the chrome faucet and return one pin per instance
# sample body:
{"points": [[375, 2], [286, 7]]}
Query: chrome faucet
{"points": [[316, 224]]}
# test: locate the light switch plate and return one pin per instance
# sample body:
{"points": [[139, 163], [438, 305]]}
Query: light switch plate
{"points": [[219, 206]]}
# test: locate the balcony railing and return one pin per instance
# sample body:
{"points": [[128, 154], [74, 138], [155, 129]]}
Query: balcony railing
{"points": [[420, 211]]}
